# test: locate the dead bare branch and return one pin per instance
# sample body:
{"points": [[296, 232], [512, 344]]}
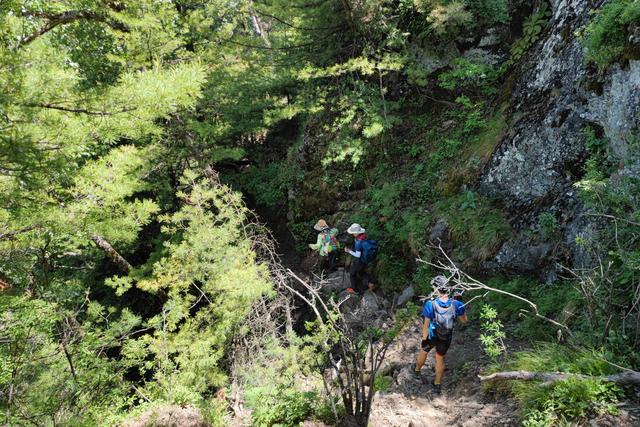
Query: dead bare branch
{"points": [[112, 253], [463, 282]]}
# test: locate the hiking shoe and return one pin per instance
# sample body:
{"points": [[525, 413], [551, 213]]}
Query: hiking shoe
{"points": [[437, 389], [416, 374]]}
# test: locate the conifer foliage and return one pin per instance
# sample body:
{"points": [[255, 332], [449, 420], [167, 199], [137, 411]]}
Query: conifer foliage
{"points": [[132, 274]]}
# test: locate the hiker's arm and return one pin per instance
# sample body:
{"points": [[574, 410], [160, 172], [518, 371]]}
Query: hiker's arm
{"points": [[463, 318], [353, 253], [425, 328], [356, 252], [317, 245]]}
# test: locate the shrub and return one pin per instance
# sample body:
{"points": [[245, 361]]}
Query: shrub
{"points": [[280, 407], [571, 400], [606, 36], [469, 75], [269, 183], [382, 383], [531, 30], [551, 300], [449, 18], [547, 225], [492, 337]]}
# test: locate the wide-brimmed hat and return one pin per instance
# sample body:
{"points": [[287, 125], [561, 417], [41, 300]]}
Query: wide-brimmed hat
{"points": [[320, 225], [356, 229], [441, 283]]}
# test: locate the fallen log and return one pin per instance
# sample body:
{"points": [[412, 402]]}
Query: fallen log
{"points": [[112, 253], [623, 378]]}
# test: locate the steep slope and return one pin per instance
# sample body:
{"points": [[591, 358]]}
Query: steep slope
{"points": [[556, 96]]}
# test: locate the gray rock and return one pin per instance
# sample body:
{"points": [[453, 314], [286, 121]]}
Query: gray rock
{"points": [[334, 282], [523, 255], [430, 60], [617, 109], [482, 56], [491, 39], [439, 233], [405, 296], [370, 302], [543, 151], [169, 416]]}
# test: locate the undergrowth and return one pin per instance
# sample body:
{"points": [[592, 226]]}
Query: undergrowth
{"points": [[606, 37], [566, 401], [476, 227]]}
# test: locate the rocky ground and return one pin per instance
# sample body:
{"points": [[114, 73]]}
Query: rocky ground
{"points": [[410, 401]]}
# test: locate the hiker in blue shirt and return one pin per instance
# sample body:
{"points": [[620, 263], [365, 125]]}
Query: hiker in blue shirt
{"points": [[437, 330], [364, 253]]}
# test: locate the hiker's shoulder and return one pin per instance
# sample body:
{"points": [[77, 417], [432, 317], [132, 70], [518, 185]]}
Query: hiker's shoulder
{"points": [[427, 307]]}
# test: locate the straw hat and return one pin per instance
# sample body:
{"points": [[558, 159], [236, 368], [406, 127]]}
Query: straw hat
{"points": [[320, 225], [355, 229]]}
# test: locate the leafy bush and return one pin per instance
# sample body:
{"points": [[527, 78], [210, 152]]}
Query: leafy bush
{"points": [[492, 337], [391, 271], [531, 30], [387, 198], [422, 279], [551, 300], [469, 75], [280, 407], [547, 225], [382, 383], [269, 183], [606, 36], [449, 18]]}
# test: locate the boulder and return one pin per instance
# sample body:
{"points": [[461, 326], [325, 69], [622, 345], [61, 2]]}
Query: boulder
{"points": [[370, 303], [555, 96], [334, 282], [405, 296]]}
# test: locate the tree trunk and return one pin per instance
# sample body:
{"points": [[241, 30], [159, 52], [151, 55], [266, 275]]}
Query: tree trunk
{"points": [[112, 253], [624, 378]]}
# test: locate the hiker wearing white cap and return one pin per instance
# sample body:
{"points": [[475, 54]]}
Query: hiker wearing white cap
{"points": [[364, 253], [439, 316], [327, 245]]}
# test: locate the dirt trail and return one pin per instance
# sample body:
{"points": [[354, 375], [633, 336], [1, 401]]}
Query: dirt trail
{"points": [[410, 402]]}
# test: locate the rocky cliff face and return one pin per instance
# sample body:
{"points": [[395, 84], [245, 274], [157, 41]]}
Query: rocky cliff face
{"points": [[555, 96]]}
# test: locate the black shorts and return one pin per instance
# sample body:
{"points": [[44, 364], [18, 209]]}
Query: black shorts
{"points": [[441, 345]]}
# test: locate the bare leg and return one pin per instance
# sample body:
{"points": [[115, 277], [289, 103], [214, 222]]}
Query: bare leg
{"points": [[439, 368], [422, 357]]}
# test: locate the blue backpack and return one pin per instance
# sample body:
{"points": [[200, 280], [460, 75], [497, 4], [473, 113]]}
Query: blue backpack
{"points": [[370, 250]]}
